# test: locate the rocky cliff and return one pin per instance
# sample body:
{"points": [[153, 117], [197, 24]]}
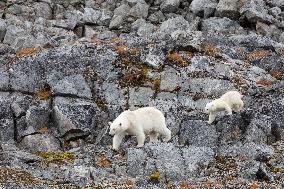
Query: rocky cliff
{"points": [[70, 66]]}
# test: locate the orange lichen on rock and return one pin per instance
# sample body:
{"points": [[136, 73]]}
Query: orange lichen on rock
{"points": [[209, 49], [44, 93], [177, 58], [264, 82], [277, 74], [102, 161], [43, 130], [185, 185], [27, 51], [253, 185], [117, 40], [256, 55], [121, 49]]}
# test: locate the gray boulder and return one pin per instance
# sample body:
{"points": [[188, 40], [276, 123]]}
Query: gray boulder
{"points": [[173, 24], [203, 8], [228, 8], [135, 162], [116, 22], [197, 133], [12, 33], [3, 27], [43, 10], [168, 6], [170, 79], [72, 85], [140, 96], [91, 16], [255, 10], [73, 118], [140, 10], [221, 25], [40, 143], [188, 39], [197, 158]]}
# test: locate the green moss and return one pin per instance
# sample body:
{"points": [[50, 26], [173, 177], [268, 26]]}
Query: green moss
{"points": [[57, 156], [155, 177]]}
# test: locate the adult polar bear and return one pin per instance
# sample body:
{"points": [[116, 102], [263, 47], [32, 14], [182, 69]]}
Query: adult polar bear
{"points": [[147, 120], [230, 101]]}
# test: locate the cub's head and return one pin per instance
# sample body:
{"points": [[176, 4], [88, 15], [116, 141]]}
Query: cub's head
{"points": [[209, 107], [120, 124]]}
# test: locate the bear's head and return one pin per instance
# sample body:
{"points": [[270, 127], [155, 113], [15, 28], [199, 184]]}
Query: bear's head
{"points": [[119, 125], [209, 107]]}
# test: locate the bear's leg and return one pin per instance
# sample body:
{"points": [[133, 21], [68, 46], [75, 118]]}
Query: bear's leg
{"points": [[240, 106], [167, 134], [140, 139], [153, 136], [228, 109], [211, 117], [117, 139]]}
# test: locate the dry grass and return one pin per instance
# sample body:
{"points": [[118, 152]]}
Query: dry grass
{"points": [[209, 49], [185, 185], [44, 93], [43, 130], [102, 162], [177, 58], [264, 82], [277, 74], [121, 49], [27, 51], [256, 55]]}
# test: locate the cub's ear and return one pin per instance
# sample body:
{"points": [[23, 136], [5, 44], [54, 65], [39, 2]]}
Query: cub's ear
{"points": [[109, 123]]}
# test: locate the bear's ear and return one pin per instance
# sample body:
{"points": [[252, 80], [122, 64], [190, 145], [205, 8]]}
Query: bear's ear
{"points": [[109, 123]]}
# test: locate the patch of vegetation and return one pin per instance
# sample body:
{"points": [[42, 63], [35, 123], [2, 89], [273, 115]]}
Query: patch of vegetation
{"points": [[277, 74], [100, 103], [155, 177], [65, 156], [256, 55], [44, 93], [178, 59], [185, 185], [27, 51], [209, 49], [43, 130], [8, 175], [102, 161], [264, 82]]}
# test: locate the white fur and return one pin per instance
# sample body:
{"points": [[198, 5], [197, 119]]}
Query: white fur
{"points": [[143, 121], [230, 101]]}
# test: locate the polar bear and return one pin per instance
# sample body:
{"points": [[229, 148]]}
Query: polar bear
{"points": [[147, 120], [230, 101]]}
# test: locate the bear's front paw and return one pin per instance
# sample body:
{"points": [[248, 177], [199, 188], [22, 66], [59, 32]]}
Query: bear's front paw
{"points": [[230, 113], [139, 146], [209, 122], [115, 148]]}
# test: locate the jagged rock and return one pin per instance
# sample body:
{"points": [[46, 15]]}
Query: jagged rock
{"points": [[43, 10], [275, 11], [157, 17], [12, 33], [116, 22], [277, 3], [140, 96], [196, 158], [146, 30], [221, 25], [271, 31], [105, 18], [210, 86], [155, 57], [197, 133], [254, 10], [169, 6], [168, 160], [170, 79], [203, 8], [188, 39], [74, 117], [3, 26], [173, 24], [122, 10], [71, 85], [228, 8], [264, 174], [247, 150], [40, 143], [91, 16], [140, 10], [74, 18], [135, 161]]}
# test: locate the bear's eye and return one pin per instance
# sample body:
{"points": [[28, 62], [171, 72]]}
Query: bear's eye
{"points": [[119, 124]]}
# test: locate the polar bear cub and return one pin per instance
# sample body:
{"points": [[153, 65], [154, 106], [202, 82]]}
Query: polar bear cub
{"points": [[143, 121], [230, 101]]}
